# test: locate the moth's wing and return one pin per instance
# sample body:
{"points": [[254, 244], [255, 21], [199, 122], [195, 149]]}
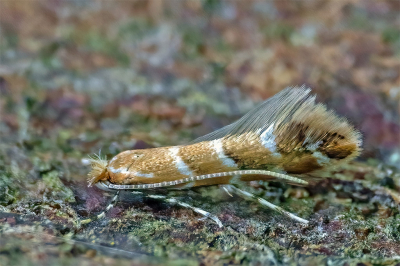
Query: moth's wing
{"points": [[276, 110]]}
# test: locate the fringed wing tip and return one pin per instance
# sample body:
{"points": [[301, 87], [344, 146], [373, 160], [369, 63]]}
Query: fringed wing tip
{"points": [[98, 170], [298, 123]]}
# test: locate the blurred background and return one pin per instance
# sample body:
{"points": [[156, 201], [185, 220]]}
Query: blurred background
{"points": [[93, 71], [77, 77]]}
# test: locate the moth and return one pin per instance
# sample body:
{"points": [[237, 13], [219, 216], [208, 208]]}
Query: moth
{"points": [[288, 137]]}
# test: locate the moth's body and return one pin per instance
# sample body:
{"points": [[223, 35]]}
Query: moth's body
{"points": [[288, 134], [179, 162], [222, 155]]}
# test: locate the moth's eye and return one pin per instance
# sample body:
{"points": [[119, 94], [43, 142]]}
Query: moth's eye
{"points": [[136, 156]]}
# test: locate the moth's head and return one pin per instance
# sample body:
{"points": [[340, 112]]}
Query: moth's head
{"points": [[113, 171], [99, 170]]}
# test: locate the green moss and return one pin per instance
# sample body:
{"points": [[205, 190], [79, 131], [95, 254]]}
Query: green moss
{"points": [[95, 41], [135, 29], [391, 35], [48, 52], [11, 176], [9, 40], [56, 188], [358, 18], [193, 41], [279, 30], [8, 190], [211, 6]]}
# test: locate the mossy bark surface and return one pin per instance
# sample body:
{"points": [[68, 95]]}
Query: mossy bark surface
{"points": [[85, 77]]}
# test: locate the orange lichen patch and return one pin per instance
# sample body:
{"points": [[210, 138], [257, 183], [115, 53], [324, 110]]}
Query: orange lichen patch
{"points": [[202, 159], [248, 152]]}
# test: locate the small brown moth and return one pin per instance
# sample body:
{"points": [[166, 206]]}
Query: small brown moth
{"points": [[288, 134]]}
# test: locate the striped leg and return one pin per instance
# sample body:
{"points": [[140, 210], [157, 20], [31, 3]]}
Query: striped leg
{"points": [[250, 196], [180, 203], [103, 213]]}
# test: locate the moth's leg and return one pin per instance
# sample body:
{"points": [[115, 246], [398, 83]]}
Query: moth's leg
{"points": [[249, 196], [103, 213], [180, 203]]}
